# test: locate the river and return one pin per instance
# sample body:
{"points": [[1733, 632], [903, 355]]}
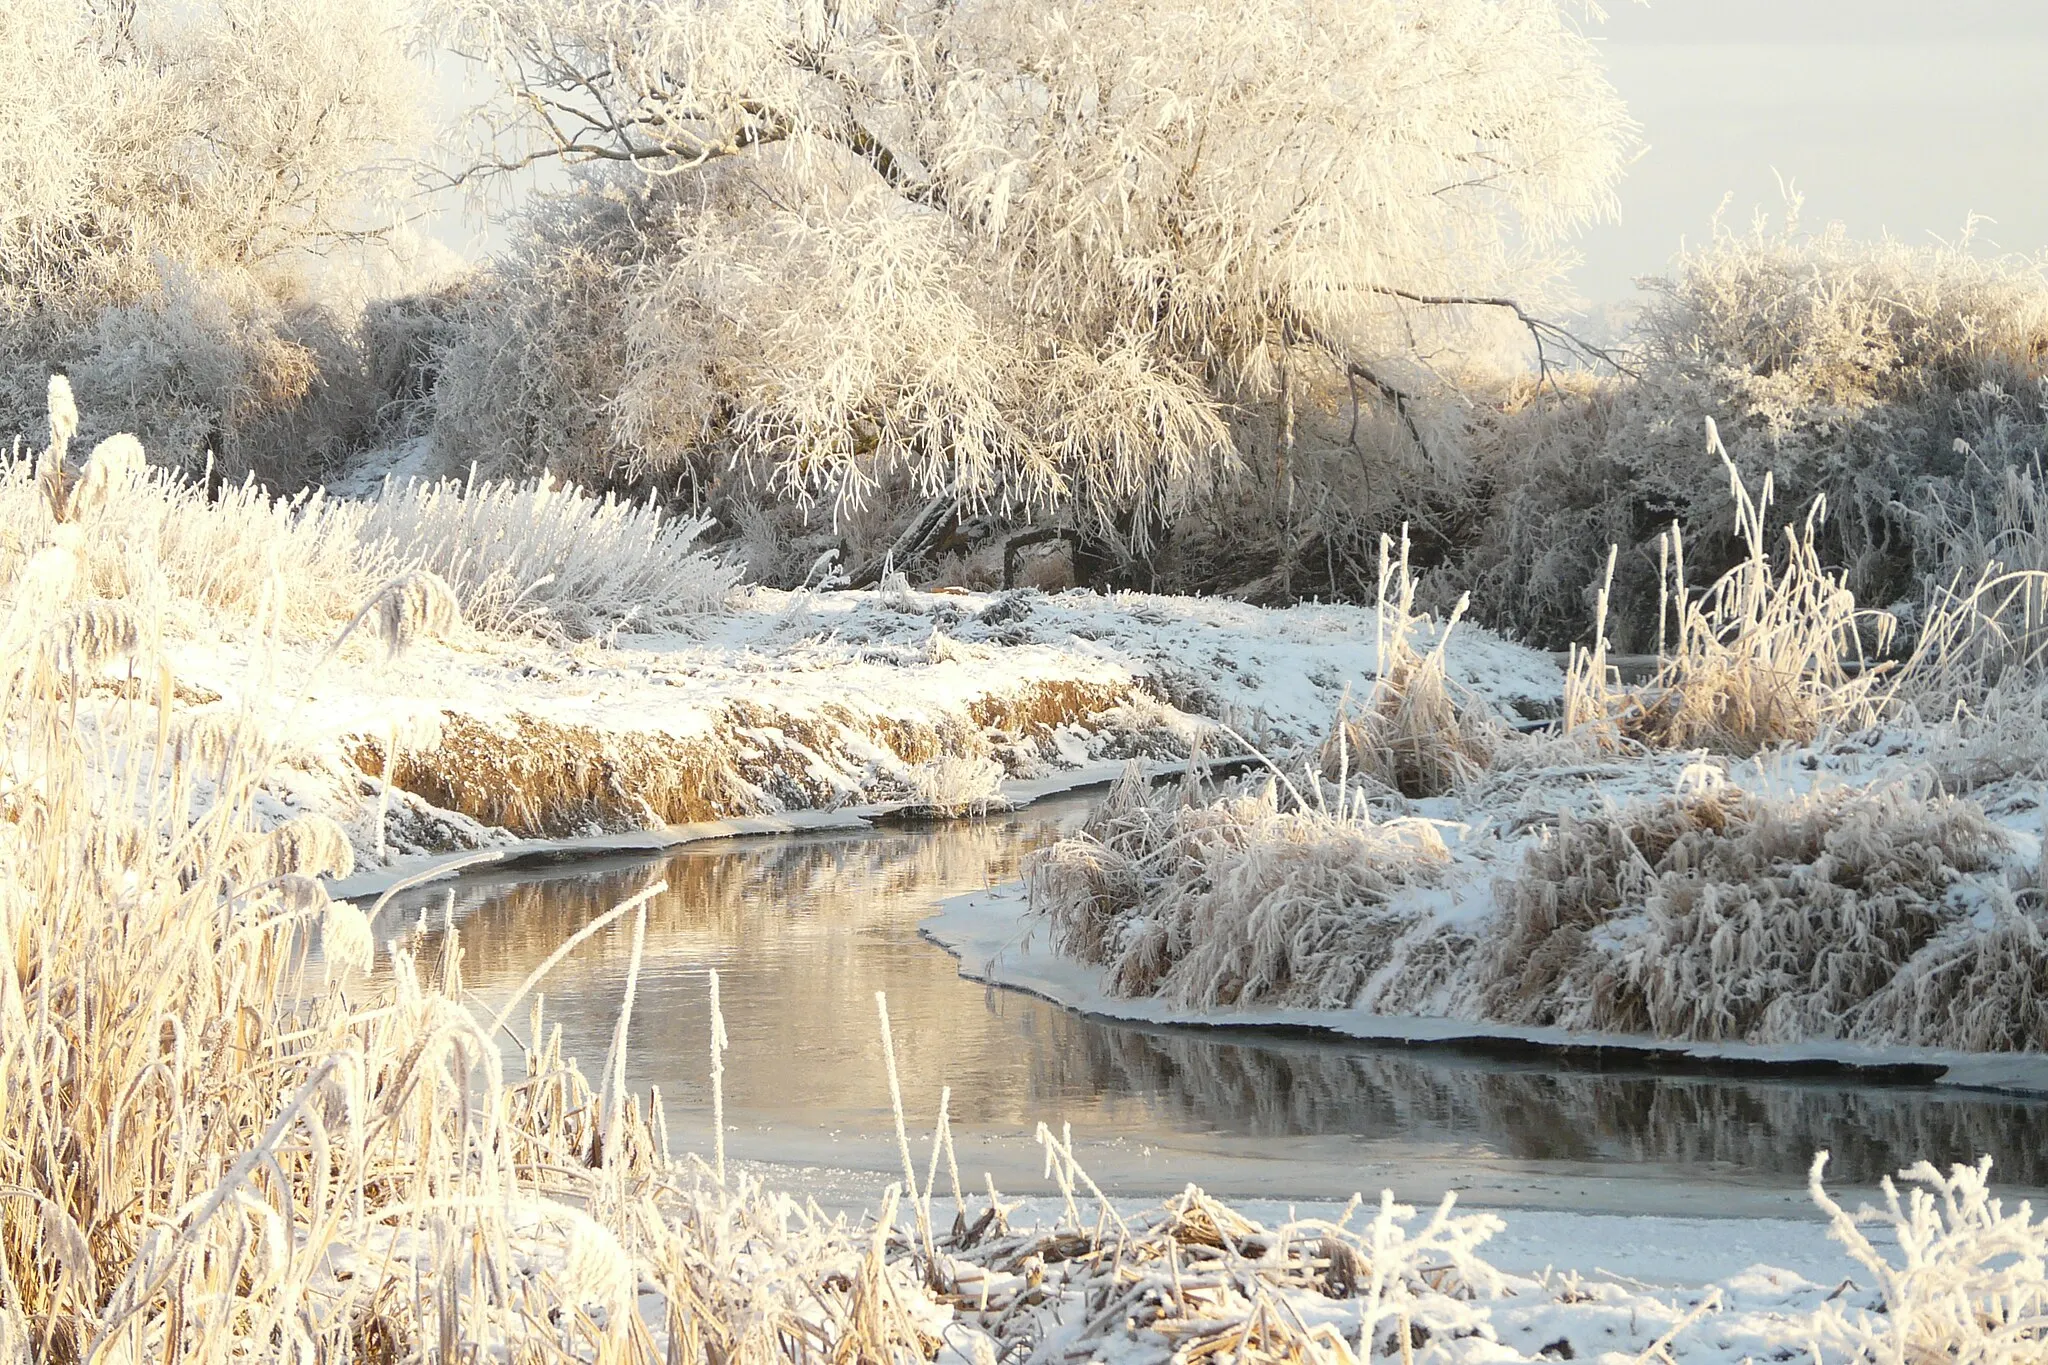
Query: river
{"points": [[803, 930]]}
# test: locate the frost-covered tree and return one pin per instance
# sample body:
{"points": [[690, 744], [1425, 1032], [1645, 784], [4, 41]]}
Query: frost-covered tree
{"points": [[169, 170], [1020, 252]]}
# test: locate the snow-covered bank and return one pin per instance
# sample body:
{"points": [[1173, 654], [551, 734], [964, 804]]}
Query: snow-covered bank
{"points": [[464, 666], [793, 703], [1010, 793], [997, 939], [1773, 842]]}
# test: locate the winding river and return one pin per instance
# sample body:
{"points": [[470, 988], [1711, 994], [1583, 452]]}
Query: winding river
{"points": [[803, 931]]}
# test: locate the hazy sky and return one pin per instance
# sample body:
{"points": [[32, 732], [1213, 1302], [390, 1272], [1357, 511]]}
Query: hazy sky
{"points": [[1887, 115]]}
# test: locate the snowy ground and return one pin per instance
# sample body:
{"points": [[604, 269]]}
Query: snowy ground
{"points": [[1917, 1281], [1631, 1277], [800, 692]]}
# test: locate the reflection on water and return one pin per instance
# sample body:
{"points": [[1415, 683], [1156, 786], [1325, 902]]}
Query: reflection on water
{"points": [[804, 930], [1526, 1112]]}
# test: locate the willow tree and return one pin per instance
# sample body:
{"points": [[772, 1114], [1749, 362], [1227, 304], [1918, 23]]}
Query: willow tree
{"points": [[1023, 252], [169, 171]]}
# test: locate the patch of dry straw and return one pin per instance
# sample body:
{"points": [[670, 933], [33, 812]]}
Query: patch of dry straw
{"points": [[1239, 901]]}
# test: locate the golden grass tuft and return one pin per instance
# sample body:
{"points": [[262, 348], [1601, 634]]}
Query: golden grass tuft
{"points": [[1413, 735], [1770, 654], [1719, 915], [542, 779], [1236, 902], [1036, 709]]}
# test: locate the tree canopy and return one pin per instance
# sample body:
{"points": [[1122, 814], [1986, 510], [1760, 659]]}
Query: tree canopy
{"points": [[166, 169], [1028, 251]]}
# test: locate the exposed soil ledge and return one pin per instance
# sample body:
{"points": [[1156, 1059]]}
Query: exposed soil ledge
{"points": [[538, 852]]}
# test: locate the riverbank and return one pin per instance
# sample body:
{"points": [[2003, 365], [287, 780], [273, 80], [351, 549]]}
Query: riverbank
{"points": [[222, 1146], [786, 708], [997, 938]]}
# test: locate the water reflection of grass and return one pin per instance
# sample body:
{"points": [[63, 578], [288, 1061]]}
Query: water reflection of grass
{"points": [[1769, 1127]]}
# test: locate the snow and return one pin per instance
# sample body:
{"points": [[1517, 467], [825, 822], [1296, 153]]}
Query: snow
{"points": [[998, 940], [783, 661], [1943, 1272]]}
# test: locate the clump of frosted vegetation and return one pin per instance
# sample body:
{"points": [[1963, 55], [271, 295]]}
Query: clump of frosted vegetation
{"points": [[996, 254], [1235, 902], [1878, 917], [536, 556], [1900, 383], [183, 188], [1771, 653], [1725, 916], [515, 558], [1415, 733], [952, 785], [1968, 1281]]}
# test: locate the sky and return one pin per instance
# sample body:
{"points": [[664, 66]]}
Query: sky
{"points": [[1887, 116]]}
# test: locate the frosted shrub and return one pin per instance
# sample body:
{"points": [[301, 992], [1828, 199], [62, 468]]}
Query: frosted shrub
{"points": [[1900, 383], [951, 785], [539, 556], [153, 537], [515, 558], [1717, 915], [1969, 1282], [167, 173]]}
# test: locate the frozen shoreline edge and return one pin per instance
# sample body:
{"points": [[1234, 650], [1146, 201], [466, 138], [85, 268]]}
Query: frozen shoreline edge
{"points": [[987, 934]]}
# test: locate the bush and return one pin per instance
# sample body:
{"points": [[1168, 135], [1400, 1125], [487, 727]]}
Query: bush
{"points": [[167, 174], [1720, 915], [1903, 385], [537, 557]]}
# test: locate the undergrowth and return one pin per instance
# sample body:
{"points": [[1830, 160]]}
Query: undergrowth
{"points": [[519, 559], [1902, 386], [1234, 902], [1771, 653], [1872, 909]]}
